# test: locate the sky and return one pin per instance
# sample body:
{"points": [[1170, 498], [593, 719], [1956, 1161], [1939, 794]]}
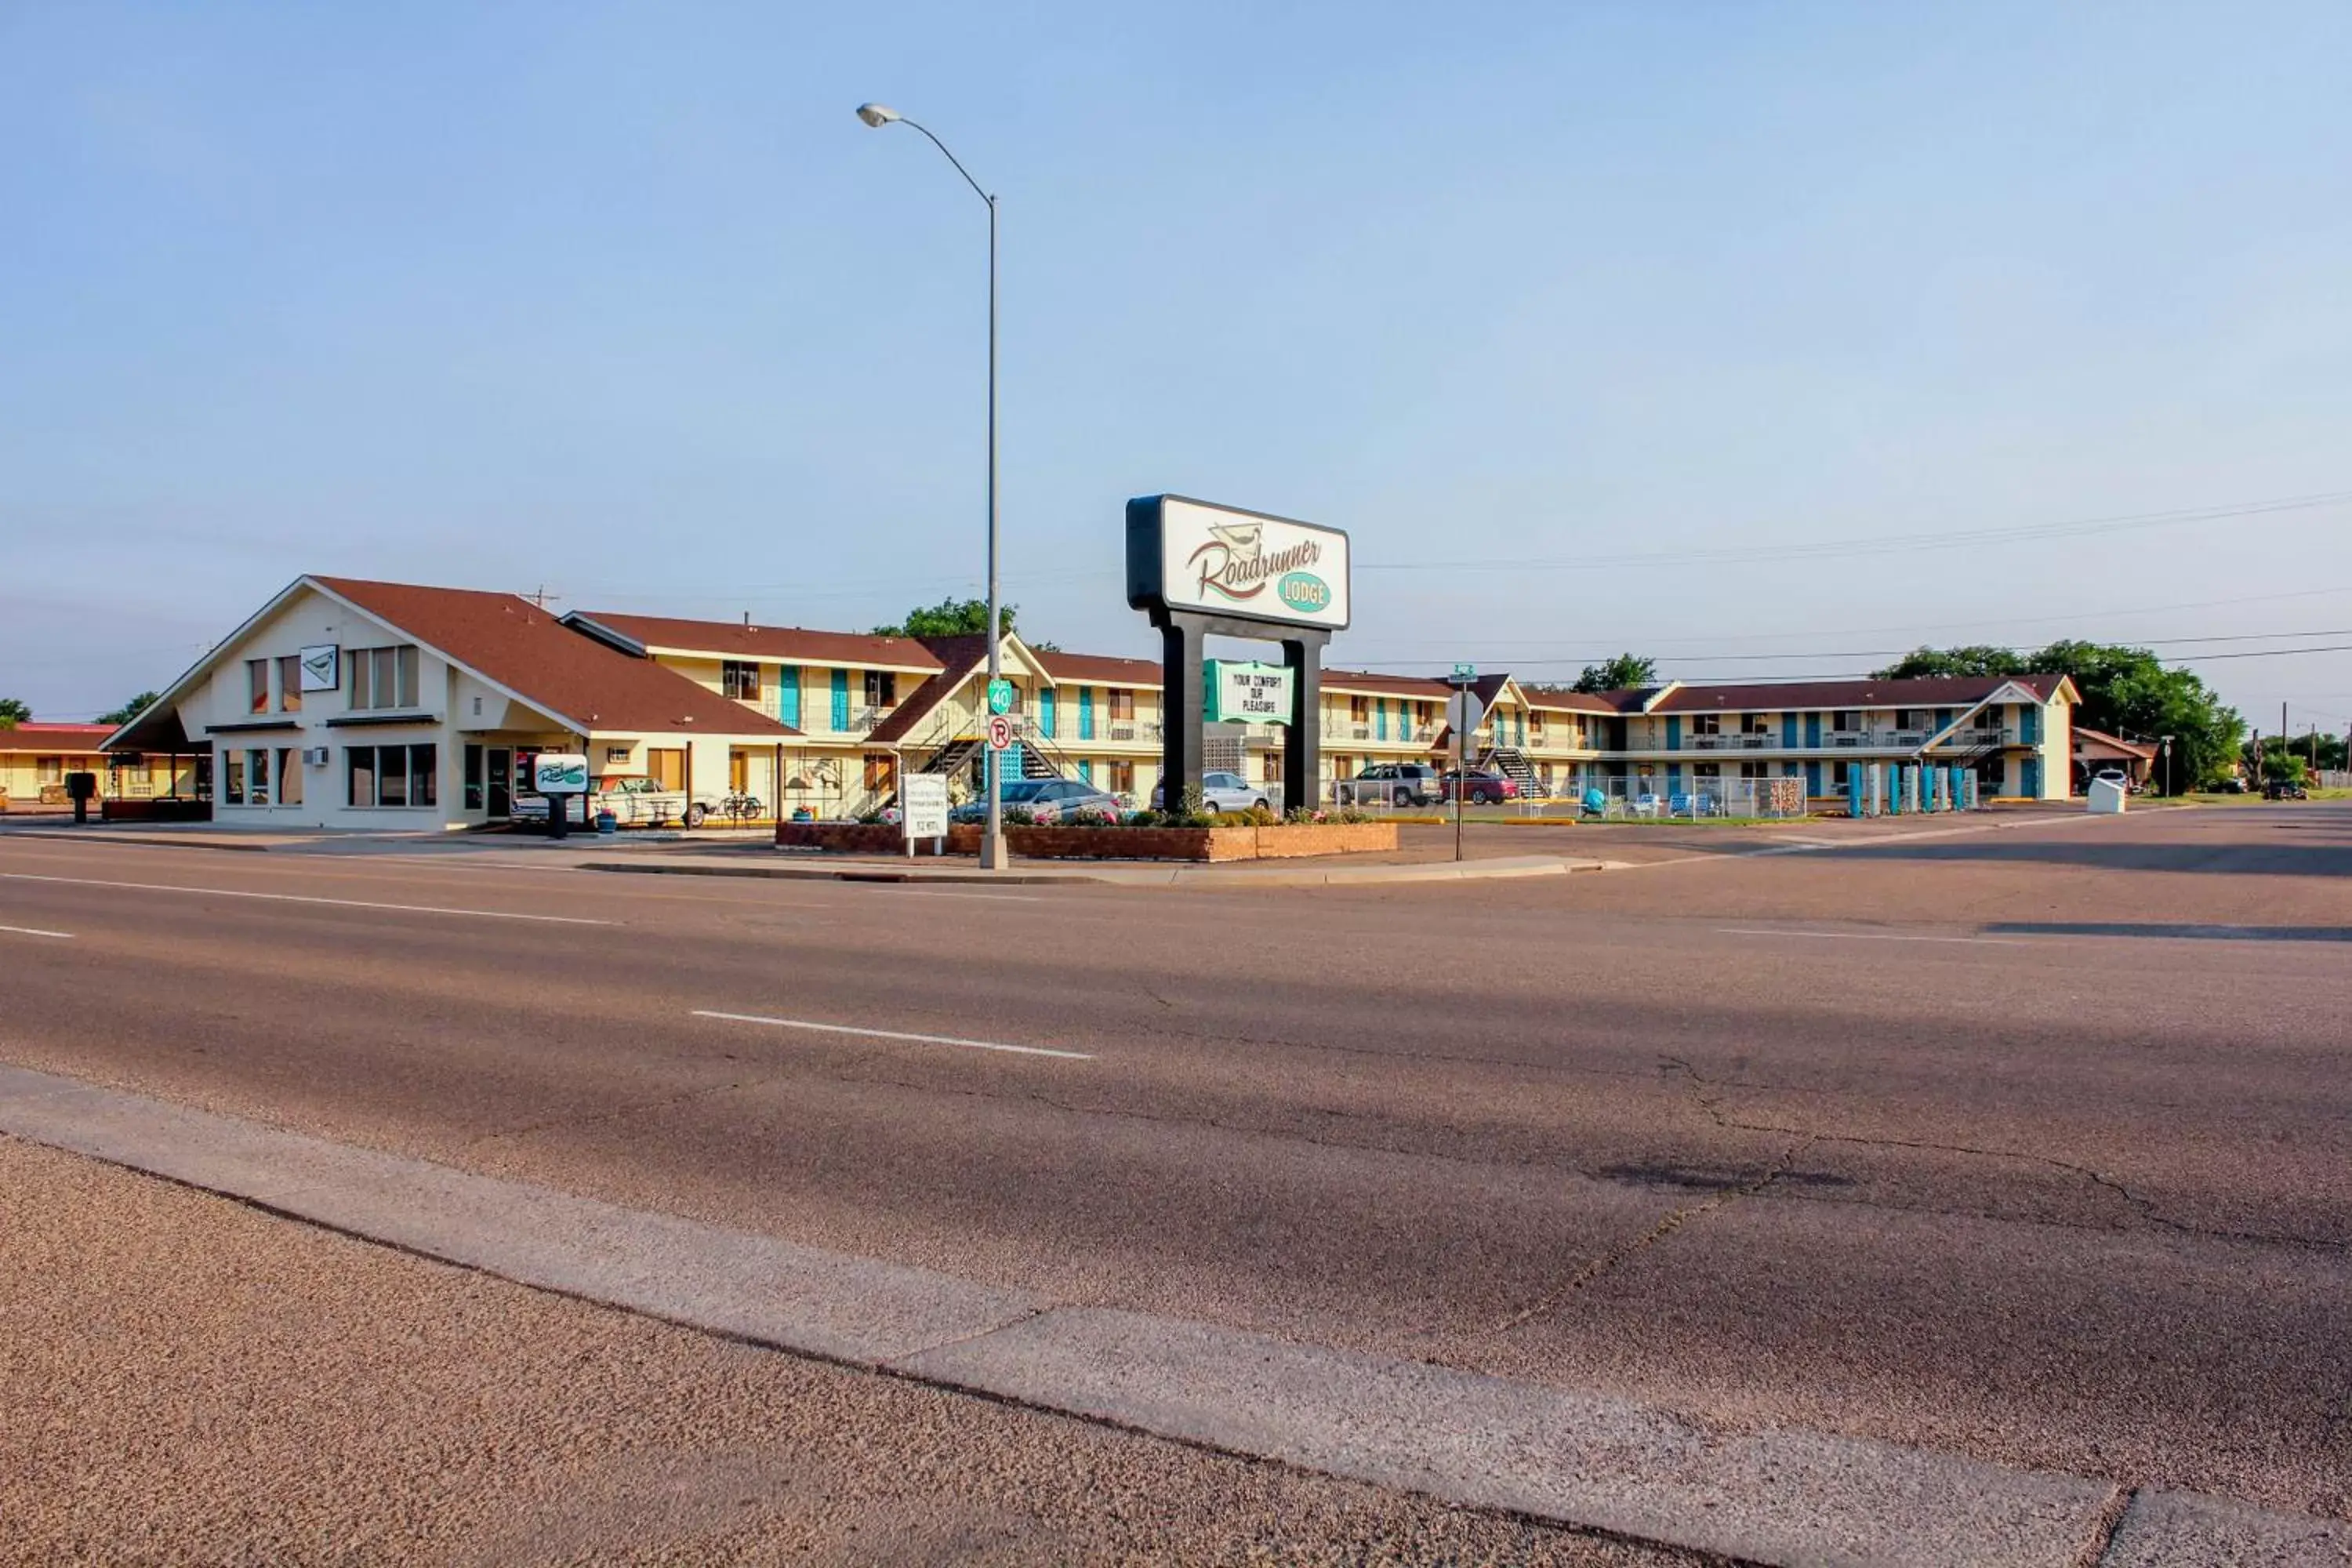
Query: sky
{"points": [[1766, 340]]}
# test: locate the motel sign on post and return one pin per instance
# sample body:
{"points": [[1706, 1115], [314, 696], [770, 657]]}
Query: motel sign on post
{"points": [[1200, 571]]}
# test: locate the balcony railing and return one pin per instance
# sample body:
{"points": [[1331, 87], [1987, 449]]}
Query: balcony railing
{"points": [[1747, 741]]}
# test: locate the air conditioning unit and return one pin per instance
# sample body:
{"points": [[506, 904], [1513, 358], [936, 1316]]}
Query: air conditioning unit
{"points": [[315, 756]]}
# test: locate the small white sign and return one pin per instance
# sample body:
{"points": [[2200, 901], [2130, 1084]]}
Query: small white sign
{"points": [[923, 804], [322, 667], [560, 772], [1244, 691]]}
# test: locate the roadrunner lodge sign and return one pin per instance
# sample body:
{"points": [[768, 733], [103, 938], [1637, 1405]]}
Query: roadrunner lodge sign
{"points": [[1185, 554]]}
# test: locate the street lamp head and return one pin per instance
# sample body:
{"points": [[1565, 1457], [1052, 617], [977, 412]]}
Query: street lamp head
{"points": [[877, 115]]}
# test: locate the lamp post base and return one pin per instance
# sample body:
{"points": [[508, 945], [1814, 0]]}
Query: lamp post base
{"points": [[994, 856]]}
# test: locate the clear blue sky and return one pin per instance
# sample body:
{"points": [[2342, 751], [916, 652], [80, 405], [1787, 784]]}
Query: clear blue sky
{"points": [[622, 300]]}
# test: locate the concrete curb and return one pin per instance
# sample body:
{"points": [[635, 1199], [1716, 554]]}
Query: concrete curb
{"points": [[1774, 1496], [1131, 876], [156, 840]]}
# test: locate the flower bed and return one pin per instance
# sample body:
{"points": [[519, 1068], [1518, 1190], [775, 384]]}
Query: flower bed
{"points": [[1283, 842], [861, 839]]}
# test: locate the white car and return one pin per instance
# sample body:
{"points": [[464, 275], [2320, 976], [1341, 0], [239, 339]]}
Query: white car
{"points": [[1224, 792], [635, 801]]}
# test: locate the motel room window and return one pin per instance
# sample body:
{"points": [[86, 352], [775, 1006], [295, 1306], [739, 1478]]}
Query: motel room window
{"points": [[1914, 719], [1122, 778], [289, 684], [1706, 770], [1359, 709], [256, 685], [393, 775], [1753, 724], [739, 679], [384, 677], [881, 689], [1840, 776], [233, 787], [1122, 705], [1755, 770], [1706, 724], [881, 772], [1845, 722]]}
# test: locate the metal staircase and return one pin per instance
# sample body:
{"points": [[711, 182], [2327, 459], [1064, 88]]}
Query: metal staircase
{"points": [[1512, 764]]}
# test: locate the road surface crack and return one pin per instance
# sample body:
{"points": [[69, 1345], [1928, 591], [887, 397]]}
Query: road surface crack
{"points": [[1673, 1221], [2144, 1207]]}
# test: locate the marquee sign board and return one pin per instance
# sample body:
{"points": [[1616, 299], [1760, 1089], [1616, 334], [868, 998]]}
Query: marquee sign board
{"points": [[1188, 555], [1247, 692], [322, 667]]}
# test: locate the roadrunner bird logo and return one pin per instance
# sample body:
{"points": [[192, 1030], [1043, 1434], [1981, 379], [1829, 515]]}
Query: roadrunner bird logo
{"points": [[1235, 561]]}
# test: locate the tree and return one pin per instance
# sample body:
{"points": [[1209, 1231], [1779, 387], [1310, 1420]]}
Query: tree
{"points": [[1976, 660], [2126, 691], [14, 711], [1619, 674], [950, 617], [129, 710]]}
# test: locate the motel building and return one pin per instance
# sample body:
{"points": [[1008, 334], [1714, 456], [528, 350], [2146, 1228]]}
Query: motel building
{"points": [[345, 703], [35, 757]]}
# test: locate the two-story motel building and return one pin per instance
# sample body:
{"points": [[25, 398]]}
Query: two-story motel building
{"points": [[421, 704]]}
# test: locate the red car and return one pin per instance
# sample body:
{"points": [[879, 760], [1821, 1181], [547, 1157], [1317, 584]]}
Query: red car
{"points": [[1482, 788]]}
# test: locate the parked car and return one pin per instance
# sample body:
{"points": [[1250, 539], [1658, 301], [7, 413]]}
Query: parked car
{"points": [[1046, 800], [1223, 791], [1392, 784], [634, 799], [1481, 787], [2284, 789]]}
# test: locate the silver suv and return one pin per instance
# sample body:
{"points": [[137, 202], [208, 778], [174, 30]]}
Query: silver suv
{"points": [[1392, 784]]}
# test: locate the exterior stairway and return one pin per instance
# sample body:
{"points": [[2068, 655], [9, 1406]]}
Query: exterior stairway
{"points": [[1512, 764]]}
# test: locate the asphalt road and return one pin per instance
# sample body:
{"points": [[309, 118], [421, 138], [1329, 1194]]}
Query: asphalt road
{"points": [[2033, 1144]]}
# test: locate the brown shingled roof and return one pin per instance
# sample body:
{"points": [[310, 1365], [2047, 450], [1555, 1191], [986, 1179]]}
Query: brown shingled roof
{"points": [[1924, 691], [516, 644], [957, 658], [1084, 667], [1367, 682], [1554, 699], [732, 639]]}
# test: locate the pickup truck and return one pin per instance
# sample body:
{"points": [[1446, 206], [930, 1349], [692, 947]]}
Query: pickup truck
{"points": [[635, 801]]}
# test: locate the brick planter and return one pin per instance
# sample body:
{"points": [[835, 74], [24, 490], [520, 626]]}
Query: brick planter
{"points": [[858, 838], [1105, 843], [1198, 843]]}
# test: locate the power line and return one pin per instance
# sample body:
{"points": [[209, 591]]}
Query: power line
{"points": [[2150, 643], [1948, 540]]}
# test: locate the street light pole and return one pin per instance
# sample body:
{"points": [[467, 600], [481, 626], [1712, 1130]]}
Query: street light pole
{"points": [[992, 855]]}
